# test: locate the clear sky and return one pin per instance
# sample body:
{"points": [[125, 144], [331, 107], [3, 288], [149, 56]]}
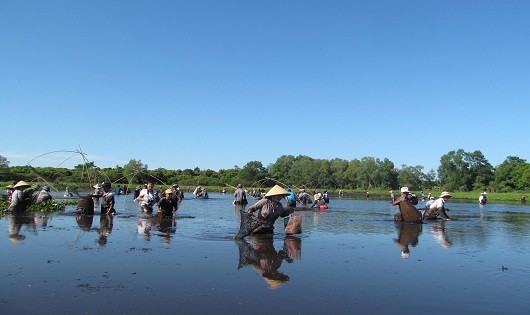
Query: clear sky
{"points": [[214, 84]]}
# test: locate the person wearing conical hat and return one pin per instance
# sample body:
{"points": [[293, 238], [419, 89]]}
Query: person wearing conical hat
{"points": [[437, 208], [269, 209], [10, 190], [18, 204]]}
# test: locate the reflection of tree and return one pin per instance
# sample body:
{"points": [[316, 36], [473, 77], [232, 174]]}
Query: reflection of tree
{"points": [[408, 234], [263, 257]]}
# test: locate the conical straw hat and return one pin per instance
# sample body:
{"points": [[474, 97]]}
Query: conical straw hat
{"points": [[22, 185], [273, 284], [277, 191]]}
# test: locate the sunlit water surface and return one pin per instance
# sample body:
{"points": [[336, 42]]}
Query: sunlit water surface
{"points": [[348, 259]]}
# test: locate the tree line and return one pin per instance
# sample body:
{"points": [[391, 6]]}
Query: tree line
{"points": [[458, 171]]}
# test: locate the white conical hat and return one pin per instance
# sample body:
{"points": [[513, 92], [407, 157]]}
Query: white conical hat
{"points": [[22, 185], [277, 191]]}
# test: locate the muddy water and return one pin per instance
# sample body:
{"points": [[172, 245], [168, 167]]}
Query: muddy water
{"points": [[348, 259]]}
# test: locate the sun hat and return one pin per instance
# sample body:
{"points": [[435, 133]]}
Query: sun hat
{"points": [[405, 189], [168, 191], [46, 188], [175, 185], [276, 191], [431, 198], [445, 194], [105, 184], [22, 185], [9, 186], [97, 186], [485, 193]]}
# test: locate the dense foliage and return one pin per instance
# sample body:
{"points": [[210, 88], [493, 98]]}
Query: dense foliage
{"points": [[458, 171]]}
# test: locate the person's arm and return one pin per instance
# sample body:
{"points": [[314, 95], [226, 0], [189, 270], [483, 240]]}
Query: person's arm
{"points": [[255, 207], [397, 201]]}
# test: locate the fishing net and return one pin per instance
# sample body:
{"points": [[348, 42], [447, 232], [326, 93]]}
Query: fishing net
{"points": [[409, 212]]}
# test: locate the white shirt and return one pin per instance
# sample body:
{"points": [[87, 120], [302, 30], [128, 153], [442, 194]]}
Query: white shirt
{"points": [[438, 204]]}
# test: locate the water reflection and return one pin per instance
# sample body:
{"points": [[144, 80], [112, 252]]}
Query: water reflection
{"points": [[166, 225], [16, 222], [105, 228], [407, 235], [438, 231], [266, 260], [143, 225], [84, 222]]}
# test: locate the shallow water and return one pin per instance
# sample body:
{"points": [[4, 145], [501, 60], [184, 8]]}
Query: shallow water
{"points": [[348, 259]]}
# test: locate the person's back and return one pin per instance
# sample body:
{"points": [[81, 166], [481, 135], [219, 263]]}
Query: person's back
{"points": [[240, 197], [44, 194]]}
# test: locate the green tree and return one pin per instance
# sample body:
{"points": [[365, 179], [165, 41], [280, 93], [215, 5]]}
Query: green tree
{"points": [[338, 169], [460, 170], [253, 171], [135, 171], [454, 172], [280, 169], [411, 176], [512, 174], [4, 169]]}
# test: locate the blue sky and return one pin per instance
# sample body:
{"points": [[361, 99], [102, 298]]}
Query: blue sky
{"points": [[214, 84]]}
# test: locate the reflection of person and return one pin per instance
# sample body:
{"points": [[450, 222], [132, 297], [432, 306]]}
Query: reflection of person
{"points": [[18, 203], [84, 221], [263, 257], [408, 234], [16, 221], [105, 228], [44, 194], [144, 226], [107, 200], [438, 208], [167, 226], [269, 209], [240, 197], [438, 232]]}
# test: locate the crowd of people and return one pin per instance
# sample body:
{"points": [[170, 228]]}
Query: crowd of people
{"points": [[259, 218]]}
